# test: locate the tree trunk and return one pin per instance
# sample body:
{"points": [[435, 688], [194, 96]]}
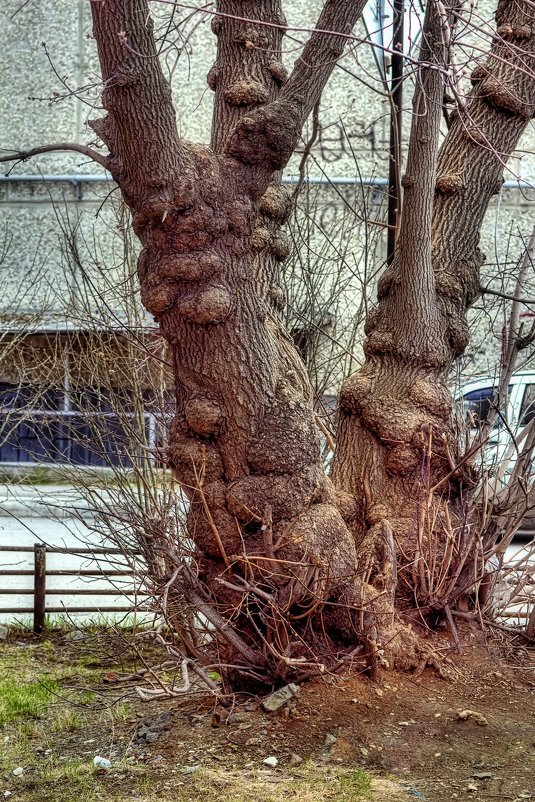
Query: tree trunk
{"points": [[243, 443], [397, 456]]}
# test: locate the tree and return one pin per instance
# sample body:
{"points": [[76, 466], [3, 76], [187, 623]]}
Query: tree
{"points": [[294, 569]]}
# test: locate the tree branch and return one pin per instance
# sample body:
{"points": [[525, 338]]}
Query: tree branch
{"points": [[140, 129], [481, 138], [314, 66], [266, 138], [415, 299], [506, 297], [23, 155]]}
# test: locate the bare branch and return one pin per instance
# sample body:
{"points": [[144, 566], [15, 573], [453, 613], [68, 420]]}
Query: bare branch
{"points": [[23, 155], [266, 138], [140, 128]]}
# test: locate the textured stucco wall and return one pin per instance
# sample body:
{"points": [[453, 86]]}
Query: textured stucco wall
{"points": [[35, 270]]}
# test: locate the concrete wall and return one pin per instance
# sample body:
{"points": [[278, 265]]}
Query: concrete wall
{"points": [[37, 270]]}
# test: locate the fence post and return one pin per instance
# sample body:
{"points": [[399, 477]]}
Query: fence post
{"points": [[39, 587]]}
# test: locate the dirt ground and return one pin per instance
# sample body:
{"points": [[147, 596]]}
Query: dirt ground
{"points": [[340, 739]]}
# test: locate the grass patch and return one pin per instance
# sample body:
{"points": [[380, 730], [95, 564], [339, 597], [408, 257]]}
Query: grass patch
{"points": [[67, 720], [28, 700], [311, 784]]}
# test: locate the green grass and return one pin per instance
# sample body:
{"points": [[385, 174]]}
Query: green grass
{"points": [[25, 700], [42, 679]]}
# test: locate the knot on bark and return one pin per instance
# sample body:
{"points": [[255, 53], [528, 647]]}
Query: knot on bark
{"points": [[279, 246], [212, 76], [157, 294], [291, 422], [458, 335], [210, 535], [276, 203], [496, 92], [246, 93], [447, 286], [277, 297], [194, 267], [186, 452], [353, 392], [402, 460], [208, 305], [260, 238], [103, 128], [384, 285], [288, 494], [216, 24], [379, 342], [373, 317], [203, 416], [511, 31], [278, 71], [476, 135], [478, 74], [266, 136], [177, 196], [448, 184], [431, 395], [347, 505], [376, 513]]}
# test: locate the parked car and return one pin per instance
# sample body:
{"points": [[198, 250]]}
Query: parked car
{"points": [[518, 409]]}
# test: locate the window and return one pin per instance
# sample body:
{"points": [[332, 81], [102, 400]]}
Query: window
{"points": [[98, 427], [479, 403], [527, 412]]}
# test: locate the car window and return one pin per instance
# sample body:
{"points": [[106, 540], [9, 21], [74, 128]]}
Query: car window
{"points": [[527, 411], [479, 404]]}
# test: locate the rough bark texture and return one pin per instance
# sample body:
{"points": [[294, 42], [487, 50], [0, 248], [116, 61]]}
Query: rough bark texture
{"points": [[243, 444], [284, 560], [395, 451]]}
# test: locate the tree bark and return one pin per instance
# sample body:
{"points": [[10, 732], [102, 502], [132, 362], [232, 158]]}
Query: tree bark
{"points": [[396, 451], [243, 442]]}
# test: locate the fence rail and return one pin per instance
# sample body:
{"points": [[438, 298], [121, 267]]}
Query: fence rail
{"points": [[40, 590]]}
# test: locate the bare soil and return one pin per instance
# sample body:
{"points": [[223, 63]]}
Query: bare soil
{"points": [[404, 733]]}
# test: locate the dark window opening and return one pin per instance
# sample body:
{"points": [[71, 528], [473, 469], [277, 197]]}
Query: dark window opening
{"points": [[479, 404], [98, 428], [527, 411]]}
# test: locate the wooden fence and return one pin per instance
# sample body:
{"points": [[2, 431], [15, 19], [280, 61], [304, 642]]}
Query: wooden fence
{"points": [[40, 572]]}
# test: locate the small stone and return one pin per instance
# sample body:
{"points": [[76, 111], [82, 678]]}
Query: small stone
{"points": [[3, 636], [75, 635], [479, 718], [295, 759], [379, 692], [271, 761], [404, 723], [151, 737], [18, 772], [279, 698], [330, 739], [189, 770], [482, 775], [101, 763], [472, 787], [7, 794]]}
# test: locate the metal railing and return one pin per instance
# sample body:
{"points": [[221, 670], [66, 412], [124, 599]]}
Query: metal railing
{"points": [[40, 572]]}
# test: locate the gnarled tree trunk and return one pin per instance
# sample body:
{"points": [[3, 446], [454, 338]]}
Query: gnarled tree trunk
{"points": [[243, 442], [292, 567], [397, 456]]}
